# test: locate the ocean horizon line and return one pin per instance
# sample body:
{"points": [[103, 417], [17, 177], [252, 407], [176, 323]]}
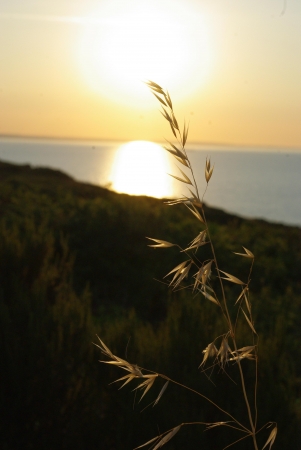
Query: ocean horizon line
{"points": [[192, 145]]}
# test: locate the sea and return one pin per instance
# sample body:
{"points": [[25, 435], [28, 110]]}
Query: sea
{"points": [[251, 182]]}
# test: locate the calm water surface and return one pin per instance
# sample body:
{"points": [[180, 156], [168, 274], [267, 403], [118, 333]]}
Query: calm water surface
{"points": [[251, 183]]}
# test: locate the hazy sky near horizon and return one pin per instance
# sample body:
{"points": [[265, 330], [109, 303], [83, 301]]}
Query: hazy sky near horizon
{"points": [[76, 69]]}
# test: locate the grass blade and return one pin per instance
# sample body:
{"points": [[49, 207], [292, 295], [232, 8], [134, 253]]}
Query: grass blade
{"points": [[148, 442], [248, 254], [249, 322], [166, 116], [177, 268], [231, 278], [160, 243], [183, 180], [209, 297], [172, 129], [182, 161], [160, 99], [178, 150], [174, 121], [243, 293], [271, 438], [161, 393], [167, 437], [168, 99], [195, 212], [185, 134]]}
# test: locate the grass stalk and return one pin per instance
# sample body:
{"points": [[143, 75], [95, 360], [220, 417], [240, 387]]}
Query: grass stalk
{"points": [[204, 279]]}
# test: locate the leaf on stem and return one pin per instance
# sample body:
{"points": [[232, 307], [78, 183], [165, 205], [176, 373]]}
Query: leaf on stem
{"points": [[198, 241], [168, 99], [201, 237], [128, 378], [160, 243], [181, 272], [174, 121], [104, 349], [197, 201], [249, 322], [185, 178], [197, 281], [177, 201], [154, 85], [202, 276], [248, 254], [178, 268], [178, 178], [224, 352], [271, 438], [148, 442], [160, 99], [160, 91], [146, 384], [183, 275], [179, 152], [216, 424], [209, 352], [208, 170], [161, 393], [209, 174], [170, 150], [244, 352], [172, 129], [176, 152], [208, 164], [184, 199], [195, 212], [243, 293], [182, 161], [231, 278], [167, 437], [247, 303], [209, 296], [185, 134], [133, 369], [166, 116]]}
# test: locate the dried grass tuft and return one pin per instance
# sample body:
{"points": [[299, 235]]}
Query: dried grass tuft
{"points": [[203, 277]]}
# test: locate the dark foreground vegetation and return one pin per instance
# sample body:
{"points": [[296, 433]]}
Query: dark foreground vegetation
{"points": [[74, 262]]}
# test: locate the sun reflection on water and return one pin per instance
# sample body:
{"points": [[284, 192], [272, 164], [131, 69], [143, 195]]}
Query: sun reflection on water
{"points": [[140, 168]]}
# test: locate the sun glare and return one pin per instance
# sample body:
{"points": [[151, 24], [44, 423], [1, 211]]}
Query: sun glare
{"points": [[129, 42], [140, 168]]}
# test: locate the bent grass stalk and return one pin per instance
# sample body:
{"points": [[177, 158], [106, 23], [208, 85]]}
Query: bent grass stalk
{"points": [[224, 348]]}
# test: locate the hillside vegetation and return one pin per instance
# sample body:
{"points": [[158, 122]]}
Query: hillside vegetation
{"points": [[74, 262]]}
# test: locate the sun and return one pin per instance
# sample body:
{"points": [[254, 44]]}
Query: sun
{"points": [[140, 168], [126, 43]]}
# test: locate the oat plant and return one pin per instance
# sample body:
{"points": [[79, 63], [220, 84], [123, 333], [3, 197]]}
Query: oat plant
{"points": [[206, 278]]}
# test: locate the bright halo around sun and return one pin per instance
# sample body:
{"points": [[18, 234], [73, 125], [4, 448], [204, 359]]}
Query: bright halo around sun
{"points": [[140, 168], [127, 42]]}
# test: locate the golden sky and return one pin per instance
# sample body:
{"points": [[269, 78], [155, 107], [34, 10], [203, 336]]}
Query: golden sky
{"points": [[76, 69]]}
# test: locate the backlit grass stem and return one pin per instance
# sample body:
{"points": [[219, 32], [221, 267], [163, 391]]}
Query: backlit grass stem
{"points": [[203, 278]]}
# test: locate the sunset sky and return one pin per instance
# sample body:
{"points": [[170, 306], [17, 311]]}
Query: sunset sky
{"points": [[76, 69]]}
